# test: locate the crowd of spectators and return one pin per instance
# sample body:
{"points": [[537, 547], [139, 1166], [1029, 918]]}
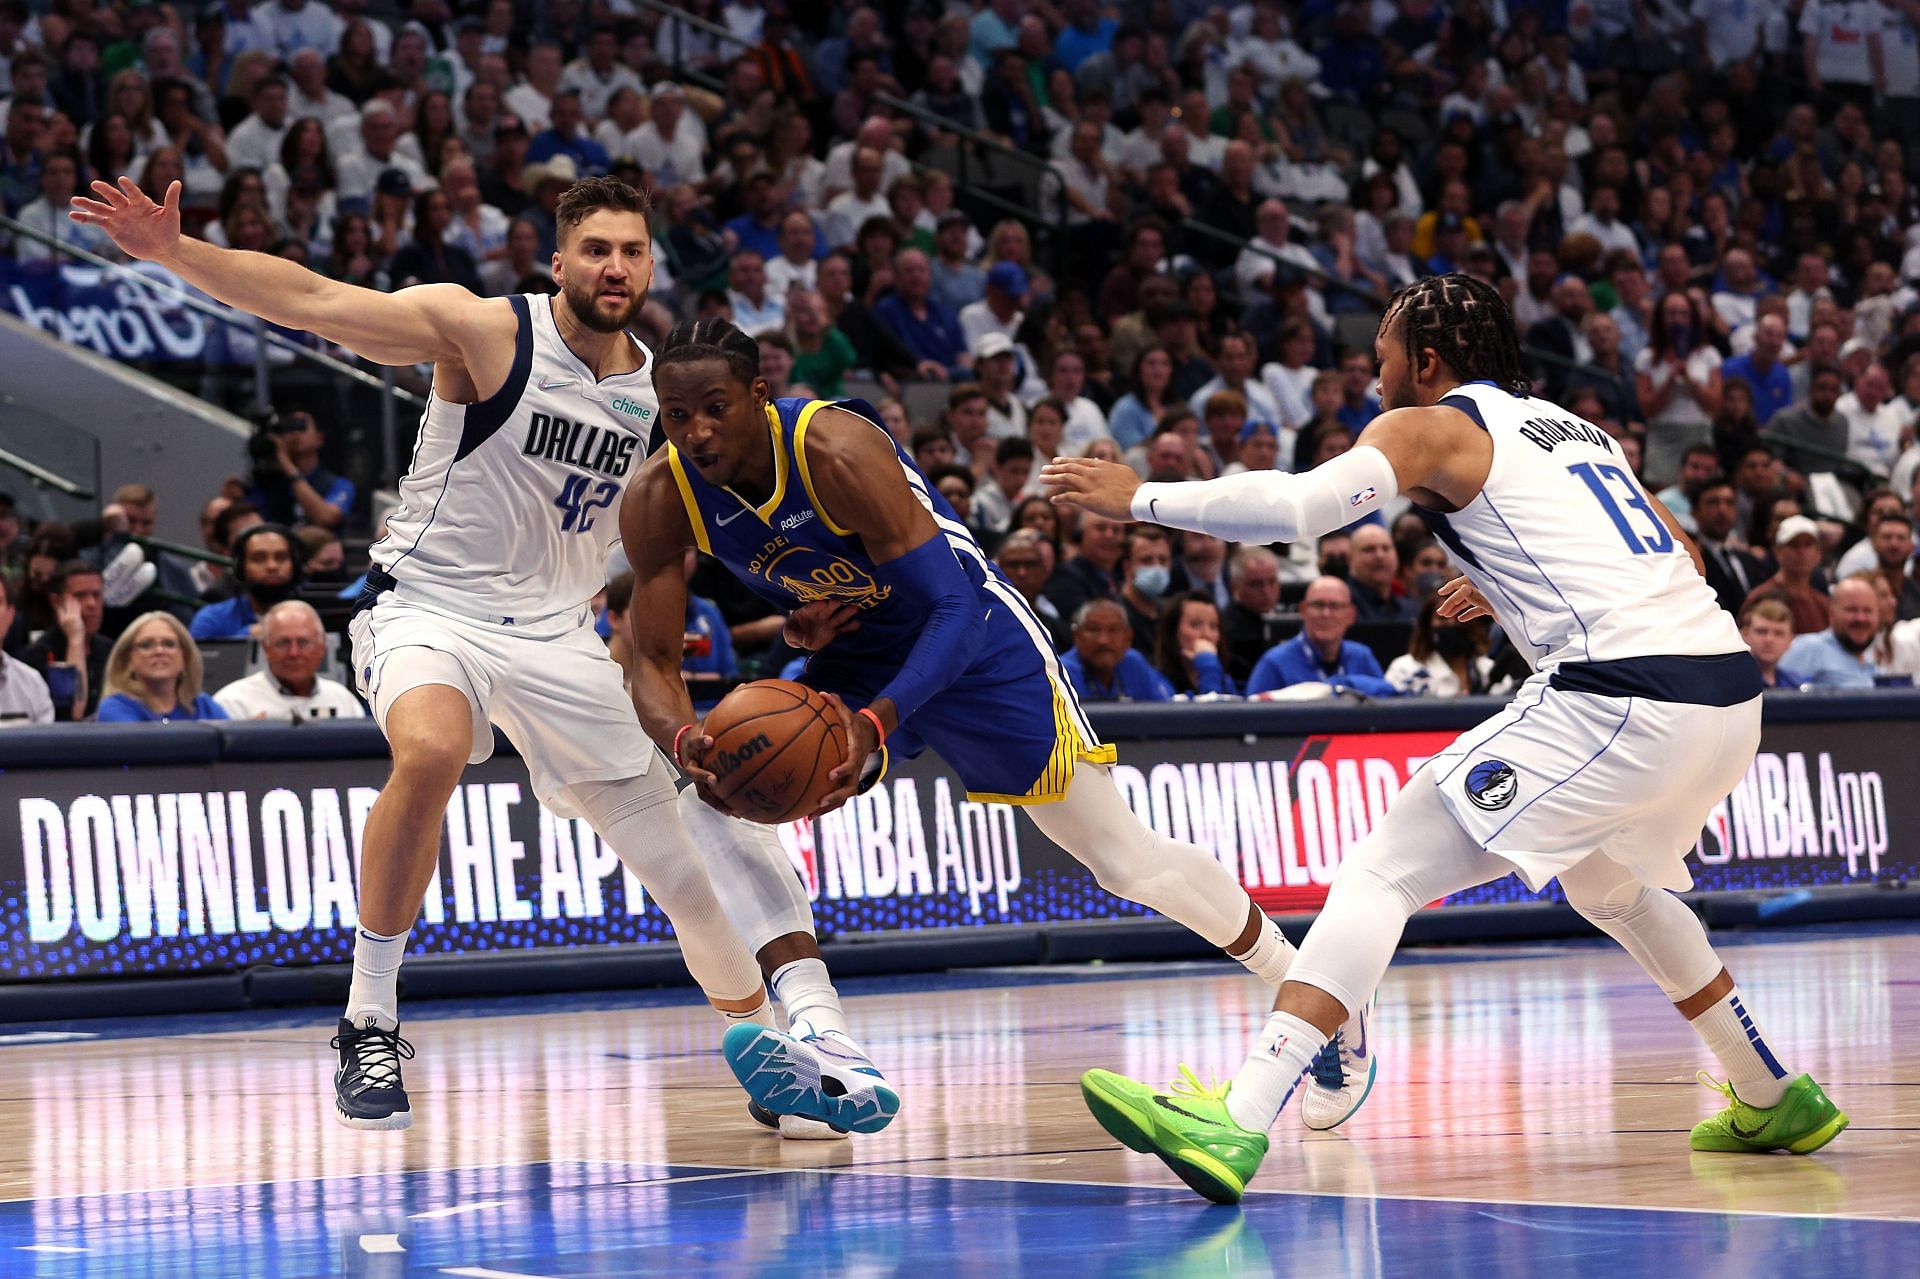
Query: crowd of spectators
{"points": [[1171, 251]]}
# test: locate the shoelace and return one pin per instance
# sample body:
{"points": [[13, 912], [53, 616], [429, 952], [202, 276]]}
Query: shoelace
{"points": [[1189, 1085], [377, 1055], [1328, 1070]]}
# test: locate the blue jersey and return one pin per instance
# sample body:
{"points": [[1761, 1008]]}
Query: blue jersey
{"points": [[790, 553], [1009, 724]]}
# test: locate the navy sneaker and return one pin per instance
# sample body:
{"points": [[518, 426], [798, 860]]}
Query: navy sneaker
{"points": [[367, 1091]]}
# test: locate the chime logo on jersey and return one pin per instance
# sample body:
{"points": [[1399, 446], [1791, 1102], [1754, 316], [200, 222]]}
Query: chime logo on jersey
{"points": [[813, 574], [633, 409], [1491, 784]]}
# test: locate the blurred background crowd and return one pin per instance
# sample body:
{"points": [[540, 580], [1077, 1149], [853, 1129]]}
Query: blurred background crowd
{"points": [[1157, 232]]}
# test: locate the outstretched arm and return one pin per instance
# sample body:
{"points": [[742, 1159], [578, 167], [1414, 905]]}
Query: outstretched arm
{"points": [[427, 323], [1438, 450]]}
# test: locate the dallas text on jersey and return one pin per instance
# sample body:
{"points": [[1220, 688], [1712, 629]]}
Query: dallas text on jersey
{"points": [[597, 448]]}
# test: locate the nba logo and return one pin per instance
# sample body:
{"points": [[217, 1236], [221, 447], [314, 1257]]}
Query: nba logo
{"points": [[1366, 494]]}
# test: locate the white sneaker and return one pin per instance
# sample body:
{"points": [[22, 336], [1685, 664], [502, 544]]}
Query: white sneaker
{"points": [[1341, 1075], [816, 1075]]}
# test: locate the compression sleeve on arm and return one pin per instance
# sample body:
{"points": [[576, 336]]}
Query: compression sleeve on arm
{"points": [[930, 580], [1272, 506]]}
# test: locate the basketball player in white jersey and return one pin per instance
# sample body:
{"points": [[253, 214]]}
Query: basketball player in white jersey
{"points": [[476, 610], [1644, 710]]}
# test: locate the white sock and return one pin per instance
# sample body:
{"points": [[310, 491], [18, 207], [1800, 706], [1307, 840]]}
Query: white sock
{"points": [[1270, 955], [1757, 1076], [763, 1015], [1272, 1071], [375, 991], [807, 992]]}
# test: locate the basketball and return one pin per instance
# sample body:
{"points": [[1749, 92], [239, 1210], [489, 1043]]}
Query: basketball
{"points": [[774, 743]]}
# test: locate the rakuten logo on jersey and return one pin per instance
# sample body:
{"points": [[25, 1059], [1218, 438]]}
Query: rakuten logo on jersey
{"points": [[793, 522]]}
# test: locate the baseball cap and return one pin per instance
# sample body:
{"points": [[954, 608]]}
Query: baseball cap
{"points": [[952, 216], [1255, 425], [991, 344], [1795, 526], [1855, 346], [1008, 277], [393, 182]]}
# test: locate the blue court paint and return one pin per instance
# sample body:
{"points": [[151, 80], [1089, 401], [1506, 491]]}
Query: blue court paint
{"points": [[565, 1220]]}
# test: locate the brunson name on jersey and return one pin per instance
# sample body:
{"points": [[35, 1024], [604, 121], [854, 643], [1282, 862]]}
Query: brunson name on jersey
{"points": [[597, 448], [1547, 432]]}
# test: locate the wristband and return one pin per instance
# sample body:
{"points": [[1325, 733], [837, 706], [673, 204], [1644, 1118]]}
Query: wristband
{"points": [[879, 729], [684, 730]]}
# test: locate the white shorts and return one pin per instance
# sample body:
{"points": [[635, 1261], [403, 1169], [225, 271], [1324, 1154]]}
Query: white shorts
{"points": [[1559, 775], [555, 692]]}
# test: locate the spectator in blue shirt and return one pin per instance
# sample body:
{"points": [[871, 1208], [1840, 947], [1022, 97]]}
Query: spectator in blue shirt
{"points": [[267, 567], [1767, 627], [1321, 653], [1103, 665], [564, 136], [293, 488], [1188, 648], [154, 675], [1762, 370], [1358, 404], [928, 329], [1085, 34], [1840, 656]]}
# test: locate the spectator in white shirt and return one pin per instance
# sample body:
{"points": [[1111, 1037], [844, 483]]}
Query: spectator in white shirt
{"points": [[1602, 222], [1835, 43], [309, 95], [23, 693], [291, 688], [849, 211], [1254, 268], [1737, 305], [755, 308], [255, 141], [598, 74], [794, 266], [532, 100], [59, 179], [1239, 354], [1874, 420], [672, 143], [379, 151], [1000, 310], [291, 25], [1809, 287]]}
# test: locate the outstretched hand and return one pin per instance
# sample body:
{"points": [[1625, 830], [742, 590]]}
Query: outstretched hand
{"points": [[1461, 601], [1105, 488], [131, 219]]}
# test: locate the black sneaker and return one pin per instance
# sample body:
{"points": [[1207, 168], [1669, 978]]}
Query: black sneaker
{"points": [[367, 1091], [793, 1127]]}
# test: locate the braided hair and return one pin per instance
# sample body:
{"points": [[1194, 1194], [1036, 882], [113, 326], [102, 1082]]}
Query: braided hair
{"points": [[697, 340], [1466, 323]]}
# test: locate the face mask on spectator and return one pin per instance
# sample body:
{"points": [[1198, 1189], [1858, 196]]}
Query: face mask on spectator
{"points": [[1682, 335], [1151, 580]]}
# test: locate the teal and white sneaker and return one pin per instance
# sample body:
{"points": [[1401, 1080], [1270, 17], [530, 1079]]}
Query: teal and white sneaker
{"points": [[794, 1127], [1341, 1076], [817, 1075]]}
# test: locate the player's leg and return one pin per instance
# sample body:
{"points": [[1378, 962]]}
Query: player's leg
{"points": [[761, 894], [1416, 855], [1182, 881], [430, 728], [1772, 1108]]}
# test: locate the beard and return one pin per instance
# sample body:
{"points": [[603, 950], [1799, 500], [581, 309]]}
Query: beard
{"points": [[1847, 642], [585, 305]]}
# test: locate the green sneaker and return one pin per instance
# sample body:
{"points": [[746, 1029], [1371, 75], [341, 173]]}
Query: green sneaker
{"points": [[1187, 1126], [1802, 1122]]}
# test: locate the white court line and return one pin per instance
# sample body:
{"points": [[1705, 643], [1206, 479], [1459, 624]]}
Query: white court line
{"points": [[49, 1247], [296, 1181], [380, 1243], [882, 1171], [477, 1272], [454, 1211], [46, 1037]]}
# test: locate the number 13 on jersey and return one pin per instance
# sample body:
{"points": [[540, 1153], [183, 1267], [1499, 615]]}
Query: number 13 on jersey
{"points": [[1611, 486]]}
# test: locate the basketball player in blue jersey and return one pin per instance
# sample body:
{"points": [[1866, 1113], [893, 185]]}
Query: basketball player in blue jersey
{"points": [[1644, 710], [476, 609], [812, 503]]}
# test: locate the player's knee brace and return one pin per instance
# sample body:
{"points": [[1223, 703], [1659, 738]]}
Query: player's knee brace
{"points": [[751, 873]]}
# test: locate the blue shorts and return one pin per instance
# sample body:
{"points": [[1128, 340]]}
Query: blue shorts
{"points": [[1010, 726]]}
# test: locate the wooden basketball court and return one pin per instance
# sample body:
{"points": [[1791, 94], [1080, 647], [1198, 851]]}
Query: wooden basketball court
{"points": [[1530, 1119]]}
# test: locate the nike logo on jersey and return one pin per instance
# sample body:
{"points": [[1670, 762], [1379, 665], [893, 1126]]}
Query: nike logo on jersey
{"points": [[603, 449], [724, 520], [556, 384]]}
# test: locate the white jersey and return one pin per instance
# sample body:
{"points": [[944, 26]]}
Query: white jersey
{"points": [[510, 505], [1565, 544]]}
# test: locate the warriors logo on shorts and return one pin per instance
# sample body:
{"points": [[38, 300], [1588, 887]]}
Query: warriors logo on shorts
{"points": [[1491, 784]]}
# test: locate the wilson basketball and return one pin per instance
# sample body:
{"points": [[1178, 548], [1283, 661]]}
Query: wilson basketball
{"points": [[774, 743]]}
